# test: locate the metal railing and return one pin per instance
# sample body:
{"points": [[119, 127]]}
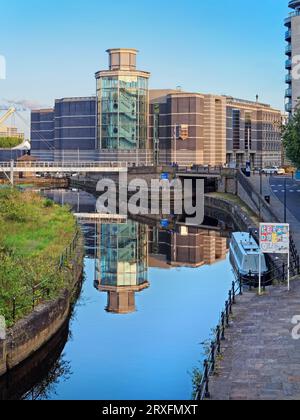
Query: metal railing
{"points": [[209, 365], [277, 273], [62, 165], [41, 291]]}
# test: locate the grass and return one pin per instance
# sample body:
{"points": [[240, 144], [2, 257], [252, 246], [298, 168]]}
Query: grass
{"points": [[8, 142], [34, 233]]}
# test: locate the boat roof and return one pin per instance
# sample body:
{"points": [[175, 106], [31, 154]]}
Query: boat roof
{"points": [[246, 242]]}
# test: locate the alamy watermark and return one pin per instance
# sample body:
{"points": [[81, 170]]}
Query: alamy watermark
{"points": [[2, 67], [296, 329], [152, 197], [2, 328]]}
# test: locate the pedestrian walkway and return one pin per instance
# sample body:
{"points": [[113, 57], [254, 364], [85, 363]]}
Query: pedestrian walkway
{"points": [[260, 358]]}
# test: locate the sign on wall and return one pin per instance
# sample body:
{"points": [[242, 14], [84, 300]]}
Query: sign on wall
{"points": [[275, 238]]}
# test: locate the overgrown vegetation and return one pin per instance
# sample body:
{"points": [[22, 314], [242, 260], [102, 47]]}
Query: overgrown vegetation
{"points": [[34, 233], [291, 139], [8, 142]]}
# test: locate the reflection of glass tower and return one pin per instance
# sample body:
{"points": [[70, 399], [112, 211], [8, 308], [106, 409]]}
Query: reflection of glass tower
{"points": [[123, 103], [122, 264]]}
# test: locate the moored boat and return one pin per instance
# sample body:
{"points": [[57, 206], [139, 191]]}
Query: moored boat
{"points": [[244, 258]]}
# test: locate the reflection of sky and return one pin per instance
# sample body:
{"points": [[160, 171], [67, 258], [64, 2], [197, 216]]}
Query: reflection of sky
{"points": [[148, 354]]}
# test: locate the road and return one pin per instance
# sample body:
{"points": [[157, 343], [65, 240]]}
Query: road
{"points": [[293, 193]]}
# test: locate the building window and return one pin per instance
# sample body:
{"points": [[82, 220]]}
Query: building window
{"points": [[236, 119], [248, 131]]}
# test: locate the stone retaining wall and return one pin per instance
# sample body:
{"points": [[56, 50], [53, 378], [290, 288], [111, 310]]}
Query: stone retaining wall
{"points": [[31, 333]]}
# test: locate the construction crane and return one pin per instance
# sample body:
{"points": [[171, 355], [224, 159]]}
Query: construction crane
{"points": [[10, 112]]}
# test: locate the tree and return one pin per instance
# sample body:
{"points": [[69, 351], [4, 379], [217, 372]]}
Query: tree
{"points": [[291, 139]]}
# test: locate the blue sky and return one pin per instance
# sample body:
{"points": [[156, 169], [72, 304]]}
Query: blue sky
{"points": [[53, 48]]}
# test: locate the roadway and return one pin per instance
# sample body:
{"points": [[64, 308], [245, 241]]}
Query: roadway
{"points": [[277, 185]]}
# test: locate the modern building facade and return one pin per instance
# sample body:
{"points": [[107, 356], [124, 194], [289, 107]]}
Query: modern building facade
{"points": [[253, 134], [122, 104], [66, 130], [187, 128], [292, 37], [42, 133], [193, 128], [127, 122]]}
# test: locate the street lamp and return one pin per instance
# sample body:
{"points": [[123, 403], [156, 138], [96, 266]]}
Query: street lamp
{"points": [[285, 201]]}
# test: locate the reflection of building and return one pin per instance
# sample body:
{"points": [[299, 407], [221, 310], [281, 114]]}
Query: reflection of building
{"points": [[122, 264], [191, 247]]}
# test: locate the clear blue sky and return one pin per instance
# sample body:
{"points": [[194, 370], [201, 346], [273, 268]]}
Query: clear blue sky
{"points": [[54, 47]]}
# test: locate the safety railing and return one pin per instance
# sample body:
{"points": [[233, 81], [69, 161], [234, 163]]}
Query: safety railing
{"points": [[278, 273], [40, 292], [62, 164], [209, 365]]}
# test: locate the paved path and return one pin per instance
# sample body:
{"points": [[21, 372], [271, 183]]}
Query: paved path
{"points": [[261, 360]]}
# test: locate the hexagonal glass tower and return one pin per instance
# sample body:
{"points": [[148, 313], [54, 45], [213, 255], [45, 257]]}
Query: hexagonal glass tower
{"points": [[123, 103]]}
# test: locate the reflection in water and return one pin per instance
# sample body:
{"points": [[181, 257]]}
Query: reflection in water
{"points": [[188, 289], [36, 378], [187, 247], [121, 264]]}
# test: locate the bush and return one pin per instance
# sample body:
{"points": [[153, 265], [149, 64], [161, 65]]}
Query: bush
{"points": [[8, 142], [48, 203]]}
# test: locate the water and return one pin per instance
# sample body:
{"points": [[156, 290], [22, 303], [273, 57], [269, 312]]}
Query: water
{"points": [[147, 304]]}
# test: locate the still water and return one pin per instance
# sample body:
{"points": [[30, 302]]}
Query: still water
{"points": [[150, 297]]}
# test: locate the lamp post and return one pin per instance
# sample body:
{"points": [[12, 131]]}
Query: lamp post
{"points": [[285, 201]]}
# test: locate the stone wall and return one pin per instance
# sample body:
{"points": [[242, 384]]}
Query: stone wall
{"points": [[31, 333], [229, 213]]}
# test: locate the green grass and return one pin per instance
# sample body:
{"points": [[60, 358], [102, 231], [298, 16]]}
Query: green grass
{"points": [[34, 233], [8, 142]]}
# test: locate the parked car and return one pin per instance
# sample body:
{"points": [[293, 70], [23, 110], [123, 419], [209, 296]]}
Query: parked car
{"points": [[273, 170]]}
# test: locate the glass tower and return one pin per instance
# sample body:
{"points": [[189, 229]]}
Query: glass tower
{"points": [[122, 103]]}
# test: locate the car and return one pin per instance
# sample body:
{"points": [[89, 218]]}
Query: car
{"points": [[273, 170]]}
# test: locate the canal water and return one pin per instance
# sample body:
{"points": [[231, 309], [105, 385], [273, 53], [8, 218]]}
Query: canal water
{"points": [[151, 295]]}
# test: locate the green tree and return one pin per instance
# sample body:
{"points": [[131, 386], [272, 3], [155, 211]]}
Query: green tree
{"points": [[291, 139]]}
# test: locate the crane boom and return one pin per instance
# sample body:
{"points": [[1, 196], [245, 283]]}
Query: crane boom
{"points": [[10, 112]]}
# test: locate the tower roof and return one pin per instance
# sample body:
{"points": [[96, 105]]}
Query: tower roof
{"points": [[294, 4]]}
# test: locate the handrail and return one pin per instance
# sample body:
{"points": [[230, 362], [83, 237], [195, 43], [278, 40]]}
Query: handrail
{"points": [[43, 286], [209, 364], [62, 164]]}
